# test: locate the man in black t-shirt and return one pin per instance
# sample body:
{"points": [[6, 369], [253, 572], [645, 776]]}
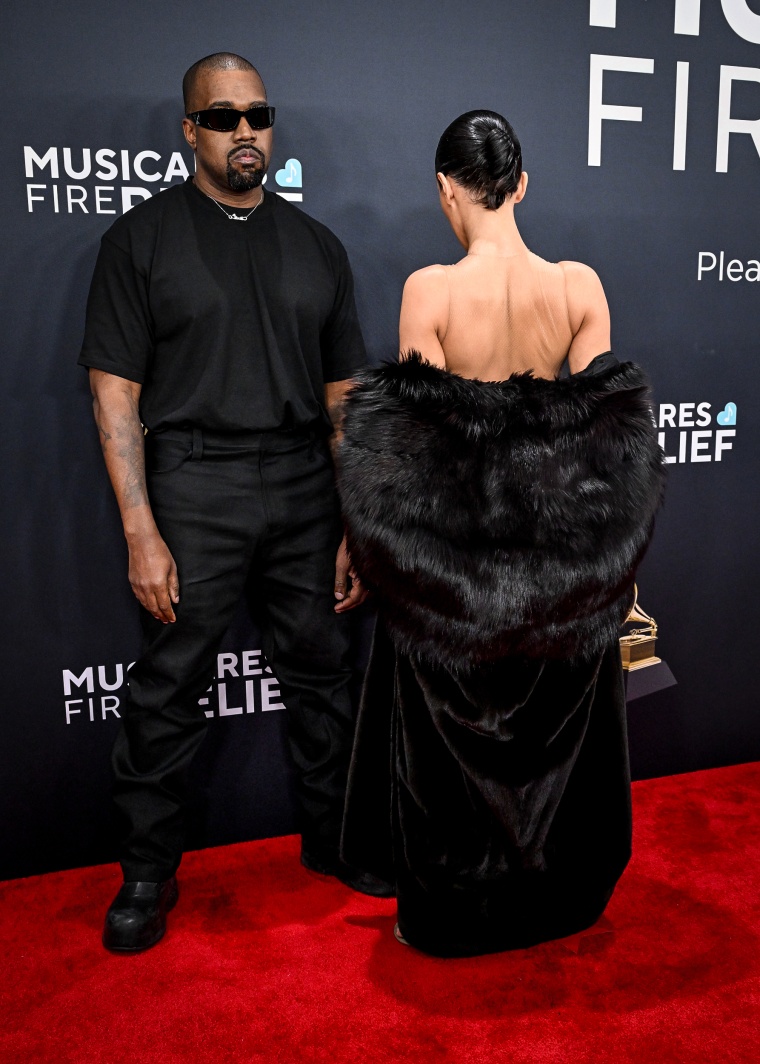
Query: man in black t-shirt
{"points": [[222, 320]]}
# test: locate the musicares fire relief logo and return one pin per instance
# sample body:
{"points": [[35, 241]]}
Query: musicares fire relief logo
{"points": [[244, 683], [689, 432], [111, 181]]}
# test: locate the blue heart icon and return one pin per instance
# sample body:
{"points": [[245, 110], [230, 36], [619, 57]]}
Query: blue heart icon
{"points": [[728, 416], [291, 175]]}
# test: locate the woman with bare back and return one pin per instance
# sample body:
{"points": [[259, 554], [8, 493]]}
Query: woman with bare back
{"points": [[498, 511]]}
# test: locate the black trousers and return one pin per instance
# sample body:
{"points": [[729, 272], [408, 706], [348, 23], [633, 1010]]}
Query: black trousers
{"points": [[255, 514]]}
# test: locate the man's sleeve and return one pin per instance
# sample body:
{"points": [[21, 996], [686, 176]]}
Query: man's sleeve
{"points": [[343, 350], [118, 336]]}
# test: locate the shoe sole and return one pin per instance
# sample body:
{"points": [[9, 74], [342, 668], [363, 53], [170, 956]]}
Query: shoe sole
{"points": [[136, 949], [380, 892]]}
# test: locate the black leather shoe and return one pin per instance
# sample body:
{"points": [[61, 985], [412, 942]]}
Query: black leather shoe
{"points": [[136, 919], [363, 882]]}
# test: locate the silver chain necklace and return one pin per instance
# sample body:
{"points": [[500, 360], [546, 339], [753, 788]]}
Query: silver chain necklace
{"points": [[236, 217]]}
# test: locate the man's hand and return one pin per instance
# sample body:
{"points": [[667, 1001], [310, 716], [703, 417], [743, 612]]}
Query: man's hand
{"points": [[153, 576], [347, 599]]}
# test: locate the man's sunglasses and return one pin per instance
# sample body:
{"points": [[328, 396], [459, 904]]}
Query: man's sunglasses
{"points": [[225, 119]]}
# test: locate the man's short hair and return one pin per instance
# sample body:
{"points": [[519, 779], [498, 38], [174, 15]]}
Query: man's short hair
{"points": [[217, 61]]}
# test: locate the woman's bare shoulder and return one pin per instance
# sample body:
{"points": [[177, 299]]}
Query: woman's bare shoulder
{"points": [[427, 291], [579, 275], [585, 294], [426, 279]]}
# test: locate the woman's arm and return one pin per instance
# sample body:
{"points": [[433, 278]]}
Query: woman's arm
{"points": [[589, 315], [425, 314]]}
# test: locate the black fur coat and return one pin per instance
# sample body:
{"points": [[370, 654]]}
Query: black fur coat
{"points": [[506, 518]]}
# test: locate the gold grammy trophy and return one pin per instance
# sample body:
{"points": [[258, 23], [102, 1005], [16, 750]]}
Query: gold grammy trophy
{"points": [[637, 645]]}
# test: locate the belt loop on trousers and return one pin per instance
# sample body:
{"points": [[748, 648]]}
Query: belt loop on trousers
{"points": [[197, 445]]}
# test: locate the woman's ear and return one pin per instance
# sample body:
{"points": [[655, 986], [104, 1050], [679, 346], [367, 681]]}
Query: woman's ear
{"points": [[521, 189], [444, 187]]}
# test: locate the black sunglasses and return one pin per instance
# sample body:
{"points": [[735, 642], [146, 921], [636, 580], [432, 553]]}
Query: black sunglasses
{"points": [[225, 119]]}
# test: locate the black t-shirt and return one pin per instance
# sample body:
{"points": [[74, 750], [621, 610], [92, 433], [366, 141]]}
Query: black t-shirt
{"points": [[228, 326]]}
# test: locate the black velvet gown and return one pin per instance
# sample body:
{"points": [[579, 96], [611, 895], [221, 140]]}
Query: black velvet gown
{"points": [[498, 802]]}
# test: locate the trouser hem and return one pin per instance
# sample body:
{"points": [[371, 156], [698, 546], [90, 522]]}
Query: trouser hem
{"points": [[142, 873]]}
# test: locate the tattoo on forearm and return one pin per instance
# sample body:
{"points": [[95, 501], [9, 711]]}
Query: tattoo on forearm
{"points": [[132, 452], [124, 452]]}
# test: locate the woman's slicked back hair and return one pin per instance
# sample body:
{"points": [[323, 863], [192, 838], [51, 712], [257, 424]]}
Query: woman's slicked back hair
{"points": [[481, 152]]}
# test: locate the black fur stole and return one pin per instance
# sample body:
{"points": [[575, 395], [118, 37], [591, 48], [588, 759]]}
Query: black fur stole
{"points": [[495, 519]]}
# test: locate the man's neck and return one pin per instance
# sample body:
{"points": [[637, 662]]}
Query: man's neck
{"points": [[250, 197]]}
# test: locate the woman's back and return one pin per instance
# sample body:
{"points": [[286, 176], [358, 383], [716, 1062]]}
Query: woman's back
{"points": [[506, 314], [500, 312]]}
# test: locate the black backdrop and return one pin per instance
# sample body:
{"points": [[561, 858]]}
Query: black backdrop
{"points": [[363, 92]]}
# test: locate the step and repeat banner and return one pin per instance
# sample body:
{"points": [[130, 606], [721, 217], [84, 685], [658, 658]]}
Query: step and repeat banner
{"points": [[640, 125]]}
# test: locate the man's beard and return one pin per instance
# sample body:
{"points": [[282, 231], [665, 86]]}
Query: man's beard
{"points": [[244, 180]]}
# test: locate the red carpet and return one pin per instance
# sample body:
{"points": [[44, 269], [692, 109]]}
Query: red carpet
{"points": [[266, 962]]}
